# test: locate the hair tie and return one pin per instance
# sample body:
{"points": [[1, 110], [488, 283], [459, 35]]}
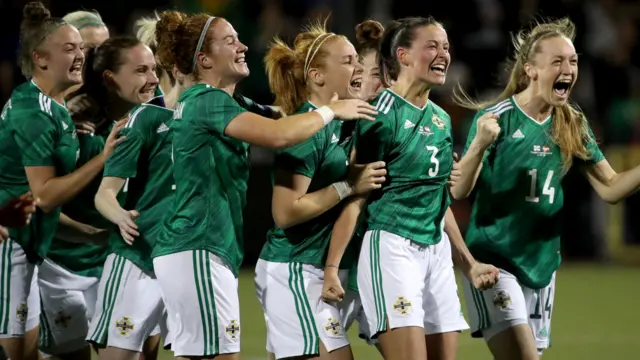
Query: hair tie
{"points": [[203, 34], [310, 56]]}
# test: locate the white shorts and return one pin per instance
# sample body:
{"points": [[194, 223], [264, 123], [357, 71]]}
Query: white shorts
{"points": [[509, 304], [296, 316], [68, 302], [201, 295], [351, 310], [129, 307], [408, 284], [19, 295]]}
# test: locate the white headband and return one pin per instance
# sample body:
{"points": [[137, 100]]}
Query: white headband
{"points": [[203, 34], [308, 59]]}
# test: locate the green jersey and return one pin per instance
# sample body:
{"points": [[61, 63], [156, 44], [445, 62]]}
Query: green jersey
{"points": [[517, 201], [211, 172], [324, 158], [35, 131], [84, 259], [417, 146], [144, 160]]}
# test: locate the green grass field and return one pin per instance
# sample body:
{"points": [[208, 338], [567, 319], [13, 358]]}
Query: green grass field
{"points": [[595, 317]]}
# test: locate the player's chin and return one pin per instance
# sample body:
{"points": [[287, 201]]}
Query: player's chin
{"points": [[241, 70]]}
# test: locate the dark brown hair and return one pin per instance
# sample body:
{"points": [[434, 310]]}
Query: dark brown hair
{"points": [[36, 25], [399, 34], [368, 37]]}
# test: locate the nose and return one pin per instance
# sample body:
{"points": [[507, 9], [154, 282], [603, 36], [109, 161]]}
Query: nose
{"points": [[152, 77], [566, 68], [242, 47], [359, 69]]}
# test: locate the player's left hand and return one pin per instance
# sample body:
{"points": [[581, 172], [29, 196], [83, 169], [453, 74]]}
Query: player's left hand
{"points": [[4, 234], [456, 171], [17, 212], [482, 276], [332, 287]]}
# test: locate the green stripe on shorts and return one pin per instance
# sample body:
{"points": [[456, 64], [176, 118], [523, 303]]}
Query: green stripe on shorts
{"points": [[376, 280], [206, 301], [99, 335], [481, 307], [5, 286], [44, 334], [303, 310]]}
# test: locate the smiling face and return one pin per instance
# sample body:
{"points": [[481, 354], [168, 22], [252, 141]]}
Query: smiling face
{"points": [[225, 53], [371, 84], [61, 56], [553, 69], [428, 57], [135, 81], [338, 69]]}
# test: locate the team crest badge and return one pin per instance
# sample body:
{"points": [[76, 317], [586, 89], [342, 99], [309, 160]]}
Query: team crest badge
{"points": [[436, 120], [62, 319], [501, 299], [22, 313], [332, 327], [124, 326], [402, 305], [233, 330]]}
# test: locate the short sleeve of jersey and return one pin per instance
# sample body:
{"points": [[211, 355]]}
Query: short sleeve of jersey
{"points": [[594, 149], [303, 158], [123, 163], [216, 109], [472, 134], [35, 134], [373, 138]]}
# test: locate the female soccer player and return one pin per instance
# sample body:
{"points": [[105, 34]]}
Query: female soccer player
{"points": [[68, 278], [310, 181], [39, 150], [519, 147], [121, 73], [202, 239], [406, 281]]}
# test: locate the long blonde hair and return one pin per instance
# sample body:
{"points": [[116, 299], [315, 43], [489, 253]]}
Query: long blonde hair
{"points": [[286, 67], [569, 128]]}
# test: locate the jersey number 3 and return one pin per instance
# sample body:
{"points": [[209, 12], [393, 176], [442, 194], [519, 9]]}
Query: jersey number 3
{"points": [[433, 170], [547, 189]]}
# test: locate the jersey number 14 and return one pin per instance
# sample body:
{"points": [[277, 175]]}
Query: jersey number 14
{"points": [[547, 189]]}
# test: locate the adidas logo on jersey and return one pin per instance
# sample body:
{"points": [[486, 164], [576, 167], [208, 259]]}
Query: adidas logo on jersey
{"points": [[408, 124], [162, 128], [518, 135], [334, 139], [64, 126]]}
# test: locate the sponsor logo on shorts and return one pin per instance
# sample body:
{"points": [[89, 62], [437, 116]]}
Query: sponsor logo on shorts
{"points": [[502, 299], [332, 327], [233, 330], [22, 312], [543, 333], [62, 319], [125, 326], [402, 305]]}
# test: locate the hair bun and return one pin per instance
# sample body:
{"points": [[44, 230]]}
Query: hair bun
{"points": [[369, 31], [35, 13]]}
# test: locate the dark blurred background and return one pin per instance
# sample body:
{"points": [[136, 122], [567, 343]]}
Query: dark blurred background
{"points": [[608, 88]]}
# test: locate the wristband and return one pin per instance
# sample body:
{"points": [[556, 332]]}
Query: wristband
{"points": [[326, 113], [343, 188]]}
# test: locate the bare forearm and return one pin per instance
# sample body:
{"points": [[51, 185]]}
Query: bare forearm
{"points": [[343, 230], [298, 128], [308, 207], [470, 166], [60, 190], [107, 204], [622, 185], [73, 231], [459, 251]]}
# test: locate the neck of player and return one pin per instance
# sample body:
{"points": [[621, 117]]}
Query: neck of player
{"points": [[219, 82], [117, 108], [321, 97], [533, 104], [412, 89], [51, 89]]}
